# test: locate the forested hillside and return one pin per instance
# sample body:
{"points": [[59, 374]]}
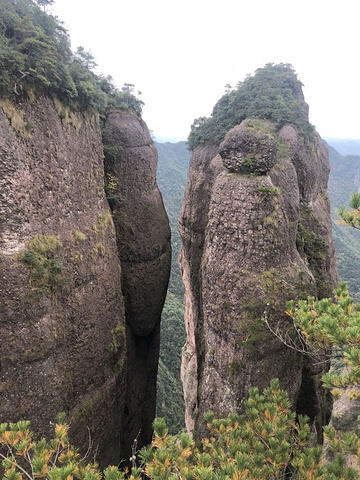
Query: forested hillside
{"points": [[344, 179], [171, 177]]}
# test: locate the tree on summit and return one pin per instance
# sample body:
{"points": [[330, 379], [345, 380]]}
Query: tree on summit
{"points": [[272, 93], [85, 57], [45, 3]]}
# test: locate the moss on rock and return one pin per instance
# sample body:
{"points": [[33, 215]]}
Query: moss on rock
{"points": [[45, 271]]}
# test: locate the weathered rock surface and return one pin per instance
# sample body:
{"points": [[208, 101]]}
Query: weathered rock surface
{"points": [[80, 299], [143, 240], [62, 322], [249, 150], [253, 237]]}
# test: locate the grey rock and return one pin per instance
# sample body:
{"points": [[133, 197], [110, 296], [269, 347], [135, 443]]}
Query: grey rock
{"points": [[143, 241], [242, 258], [61, 348], [249, 148]]}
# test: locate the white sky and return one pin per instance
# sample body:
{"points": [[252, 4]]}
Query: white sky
{"points": [[180, 54]]}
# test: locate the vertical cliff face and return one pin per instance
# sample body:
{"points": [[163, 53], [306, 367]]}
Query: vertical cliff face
{"points": [[143, 241], [80, 299], [256, 232], [62, 321]]}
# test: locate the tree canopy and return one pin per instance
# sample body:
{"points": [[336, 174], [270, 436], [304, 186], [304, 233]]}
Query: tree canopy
{"points": [[267, 442], [272, 94], [35, 56]]}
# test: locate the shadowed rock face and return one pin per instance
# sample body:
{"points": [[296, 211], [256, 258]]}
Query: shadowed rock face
{"points": [[143, 240], [62, 322], [256, 232]]}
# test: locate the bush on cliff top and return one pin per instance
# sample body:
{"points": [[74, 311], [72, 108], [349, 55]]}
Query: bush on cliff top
{"points": [[272, 94], [35, 55]]}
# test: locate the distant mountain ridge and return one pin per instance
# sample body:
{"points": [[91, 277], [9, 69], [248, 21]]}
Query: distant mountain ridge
{"points": [[345, 146]]}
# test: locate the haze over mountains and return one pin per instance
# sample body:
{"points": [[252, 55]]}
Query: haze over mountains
{"points": [[85, 257], [345, 179], [345, 146]]}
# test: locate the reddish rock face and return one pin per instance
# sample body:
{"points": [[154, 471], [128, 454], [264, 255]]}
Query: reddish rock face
{"points": [[252, 239], [143, 241], [62, 322]]}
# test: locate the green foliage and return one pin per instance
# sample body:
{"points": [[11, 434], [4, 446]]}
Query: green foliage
{"points": [[272, 94], [312, 247], [45, 272], [268, 190], [355, 200], [171, 177], [35, 55], [172, 171], [351, 217], [170, 398], [117, 338], [78, 236], [112, 150], [266, 442], [332, 325], [346, 240], [24, 457], [173, 332]]}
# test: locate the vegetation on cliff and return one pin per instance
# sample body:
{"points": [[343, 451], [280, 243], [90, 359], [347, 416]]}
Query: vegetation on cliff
{"points": [[35, 56], [45, 272], [273, 93], [268, 441], [351, 217], [344, 176], [171, 177]]}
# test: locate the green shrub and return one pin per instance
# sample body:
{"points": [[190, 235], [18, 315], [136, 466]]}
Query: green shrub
{"points": [[271, 94], [267, 442], [35, 55], [45, 272], [23, 457], [78, 236], [268, 190]]}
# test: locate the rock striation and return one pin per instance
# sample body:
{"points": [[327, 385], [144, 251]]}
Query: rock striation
{"points": [[80, 299], [256, 232]]}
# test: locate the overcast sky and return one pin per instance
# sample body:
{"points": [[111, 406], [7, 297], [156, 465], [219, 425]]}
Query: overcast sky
{"points": [[180, 54]]}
